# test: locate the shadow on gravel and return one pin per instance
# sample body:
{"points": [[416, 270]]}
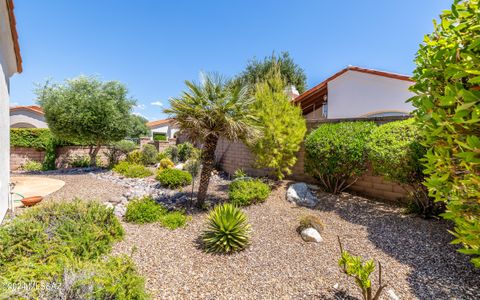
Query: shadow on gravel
{"points": [[438, 270]]}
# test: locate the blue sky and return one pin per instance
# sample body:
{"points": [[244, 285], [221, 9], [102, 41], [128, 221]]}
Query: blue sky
{"points": [[153, 46]]}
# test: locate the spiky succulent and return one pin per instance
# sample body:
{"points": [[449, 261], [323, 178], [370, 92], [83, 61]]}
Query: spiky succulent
{"points": [[227, 230]]}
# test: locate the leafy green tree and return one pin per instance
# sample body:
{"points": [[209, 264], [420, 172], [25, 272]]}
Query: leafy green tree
{"points": [[209, 110], [281, 124], [87, 111], [448, 112], [258, 71], [138, 127]]}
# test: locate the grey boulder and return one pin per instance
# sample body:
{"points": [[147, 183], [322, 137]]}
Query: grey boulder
{"points": [[300, 194]]}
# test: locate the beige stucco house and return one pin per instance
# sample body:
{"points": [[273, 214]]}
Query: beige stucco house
{"points": [[356, 92], [30, 116], [10, 63]]}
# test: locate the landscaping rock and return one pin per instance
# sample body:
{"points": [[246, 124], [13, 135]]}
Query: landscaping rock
{"points": [[300, 194], [311, 235], [180, 166]]}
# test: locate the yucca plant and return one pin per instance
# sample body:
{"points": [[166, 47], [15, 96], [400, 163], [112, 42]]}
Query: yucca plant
{"points": [[227, 230]]}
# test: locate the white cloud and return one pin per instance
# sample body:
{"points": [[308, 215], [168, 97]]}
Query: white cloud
{"points": [[157, 103], [140, 106], [14, 103], [141, 115]]}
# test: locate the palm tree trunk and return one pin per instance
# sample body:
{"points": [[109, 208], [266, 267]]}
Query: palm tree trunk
{"points": [[208, 161]]}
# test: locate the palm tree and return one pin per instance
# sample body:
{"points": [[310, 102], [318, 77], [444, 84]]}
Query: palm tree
{"points": [[209, 110]]}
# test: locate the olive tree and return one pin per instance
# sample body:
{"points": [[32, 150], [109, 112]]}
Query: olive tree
{"points": [[88, 111]]}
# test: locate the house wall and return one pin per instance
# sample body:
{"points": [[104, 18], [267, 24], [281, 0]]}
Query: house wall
{"points": [[7, 69], [166, 129], [355, 94], [27, 119]]}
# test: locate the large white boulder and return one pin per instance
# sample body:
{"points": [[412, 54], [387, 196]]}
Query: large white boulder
{"points": [[311, 235], [300, 194]]}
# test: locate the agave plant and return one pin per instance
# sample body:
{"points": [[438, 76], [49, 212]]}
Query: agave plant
{"points": [[227, 230]]}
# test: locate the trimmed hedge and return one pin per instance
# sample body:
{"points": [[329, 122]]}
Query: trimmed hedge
{"points": [[337, 152], [173, 178], [243, 192], [131, 170]]}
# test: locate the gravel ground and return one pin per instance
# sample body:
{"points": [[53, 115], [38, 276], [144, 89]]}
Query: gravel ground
{"points": [[418, 262]]}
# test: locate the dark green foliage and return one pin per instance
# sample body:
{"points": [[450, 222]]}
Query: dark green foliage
{"points": [[63, 244], [137, 128], [281, 124], [395, 152], [119, 149], [173, 178], [227, 230], [447, 87], [184, 151], [149, 154], [243, 192], [87, 110], [132, 170], [38, 138], [159, 137], [144, 210], [360, 271], [335, 153], [257, 71]]}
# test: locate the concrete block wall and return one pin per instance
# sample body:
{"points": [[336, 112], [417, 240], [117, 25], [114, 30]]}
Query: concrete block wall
{"points": [[67, 153], [19, 155]]}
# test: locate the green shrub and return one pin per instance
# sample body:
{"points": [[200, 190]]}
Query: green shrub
{"points": [[149, 154], [165, 163], [227, 230], [310, 221], [144, 210], [135, 157], [174, 220], [335, 153], [395, 152], [131, 170], [172, 153], [239, 173], [447, 87], [36, 243], [64, 244], [173, 178], [161, 155], [32, 166], [37, 138], [118, 149], [159, 137], [184, 151], [248, 191], [80, 161]]}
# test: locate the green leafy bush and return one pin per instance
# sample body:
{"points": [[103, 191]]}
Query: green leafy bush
{"points": [[447, 87], [173, 178], [135, 157], [173, 220], [64, 243], [37, 138], [165, 163], [184, 151], [159, 137], [149, 154], [355, 267], [172, 153], [395, 152], [244, 192], [132, 170], [80, 161], [310, 221], [32, 166], [239, 173], [144, 210], [227, 230], [335, 153]]}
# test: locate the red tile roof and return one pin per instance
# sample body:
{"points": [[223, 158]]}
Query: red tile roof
{"points": [[35, 108], [158, 122], [323, 84], [13, 29]]}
